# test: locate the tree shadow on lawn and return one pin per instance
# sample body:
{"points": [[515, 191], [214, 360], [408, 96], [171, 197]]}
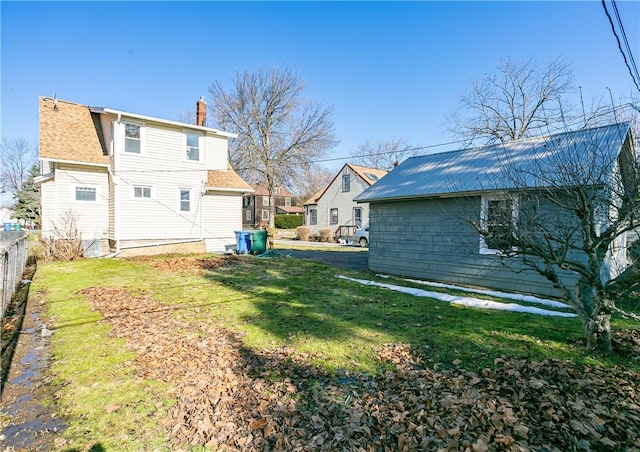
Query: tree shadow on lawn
{"points": [[303, 304]]}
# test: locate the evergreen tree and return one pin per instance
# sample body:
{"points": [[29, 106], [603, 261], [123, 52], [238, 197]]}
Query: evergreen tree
{"points": [[27, 205]]}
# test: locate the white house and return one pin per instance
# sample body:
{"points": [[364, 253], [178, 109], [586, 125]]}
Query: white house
{"points": [[333, 207], [134, 184]]}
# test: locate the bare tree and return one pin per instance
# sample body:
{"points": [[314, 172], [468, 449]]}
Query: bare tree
{"points": [[314, 178], [567, 217], [383, 154], [279, 131], [187, 117], [519, 101], [17, 157]]}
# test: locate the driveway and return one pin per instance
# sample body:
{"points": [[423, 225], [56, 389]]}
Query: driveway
{"points": [[344, 258]]}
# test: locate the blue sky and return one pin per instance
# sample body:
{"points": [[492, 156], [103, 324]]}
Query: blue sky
{"points": [[389, 69]]}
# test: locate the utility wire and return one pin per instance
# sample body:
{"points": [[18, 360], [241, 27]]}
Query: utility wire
{"points": [[626, 41], [418, 148], [613, 29]]}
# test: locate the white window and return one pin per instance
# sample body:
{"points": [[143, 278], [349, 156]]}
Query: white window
{"points": [[313, 216], [132, 137], [185, 200], [193, 146], [346, 182], [333, 216], [142, 192], [265, 215], [86, 194], [247, 215], [287, 202], [498, 217], [265, 201]]}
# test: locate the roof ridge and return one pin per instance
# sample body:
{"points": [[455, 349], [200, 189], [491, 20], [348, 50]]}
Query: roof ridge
{"points": [[537, 138]]}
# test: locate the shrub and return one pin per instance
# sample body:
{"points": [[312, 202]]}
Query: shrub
{"points": [[326, 235], [283, 221], [65, 242], [302, 233]]}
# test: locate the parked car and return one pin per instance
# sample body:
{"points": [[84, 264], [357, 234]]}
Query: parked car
{"points": [[361, 237]]}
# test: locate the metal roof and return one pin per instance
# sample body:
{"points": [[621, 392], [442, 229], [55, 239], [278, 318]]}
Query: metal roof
{"points": [[468, 171]]}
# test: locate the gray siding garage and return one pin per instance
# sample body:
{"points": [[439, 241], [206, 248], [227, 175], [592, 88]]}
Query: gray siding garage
{"points": [[430, 239], [426, 215]]}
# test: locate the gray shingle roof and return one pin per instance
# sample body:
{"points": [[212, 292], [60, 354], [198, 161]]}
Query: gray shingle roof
{"points": [[476, 170]]}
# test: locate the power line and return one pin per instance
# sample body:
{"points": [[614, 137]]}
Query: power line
{"points": [[626, 41], [613, 29], [418, 148]]}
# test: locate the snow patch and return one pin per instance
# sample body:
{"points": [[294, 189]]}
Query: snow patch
{"points": [[468, 301]]}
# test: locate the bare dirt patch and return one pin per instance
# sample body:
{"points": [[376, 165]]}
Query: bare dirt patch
{"points": [[231, 398]]}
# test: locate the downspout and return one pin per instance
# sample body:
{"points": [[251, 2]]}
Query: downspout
{"points": [[202, 194], [116, 204]]}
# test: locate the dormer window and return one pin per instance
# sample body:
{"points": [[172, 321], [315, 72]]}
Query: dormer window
{"points": [[193, 146], [132, 137]]}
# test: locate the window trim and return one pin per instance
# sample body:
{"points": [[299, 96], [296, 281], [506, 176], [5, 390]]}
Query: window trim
{"points": [[190, 191], [265, 201], [74, 193], [264, 213], [484, 212], [346, 187], [247, 215], [331, 210], [313, 216], [143, 187], [355, 219], [187, 147], [140, 140]]}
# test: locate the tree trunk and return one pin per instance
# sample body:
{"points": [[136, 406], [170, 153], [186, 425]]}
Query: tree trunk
{"points": [[598, 332]]}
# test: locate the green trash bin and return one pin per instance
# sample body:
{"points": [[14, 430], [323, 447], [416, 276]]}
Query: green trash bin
{"points": [[17, 227], [258, 241]]}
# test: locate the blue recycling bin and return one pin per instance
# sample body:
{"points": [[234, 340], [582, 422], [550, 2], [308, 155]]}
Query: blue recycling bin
{"points": [[243, 242], [7, 226]]}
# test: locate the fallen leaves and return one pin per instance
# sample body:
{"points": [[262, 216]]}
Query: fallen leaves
{"points": [[194, 265], [231, 398]]}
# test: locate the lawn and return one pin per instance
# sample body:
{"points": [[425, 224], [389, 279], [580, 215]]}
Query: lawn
{"points": [[249, 353]]}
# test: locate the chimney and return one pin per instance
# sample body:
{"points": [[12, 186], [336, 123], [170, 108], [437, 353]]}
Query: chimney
{"points": [[201, 112], [396, 163]]}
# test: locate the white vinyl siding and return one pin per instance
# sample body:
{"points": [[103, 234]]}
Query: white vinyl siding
{"points": [[222, 214], [59, 202], [215, 152], [161, 166]]}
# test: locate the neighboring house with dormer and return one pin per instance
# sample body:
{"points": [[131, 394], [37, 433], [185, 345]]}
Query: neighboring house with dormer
{"points": [[255, 206], [333, 207], [134, 184]]}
